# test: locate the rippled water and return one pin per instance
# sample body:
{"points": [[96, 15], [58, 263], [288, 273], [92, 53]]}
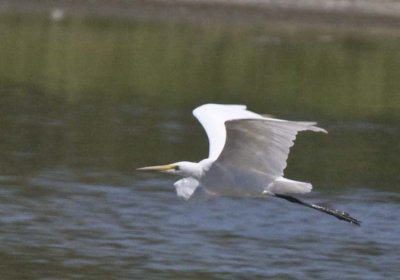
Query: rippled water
{"points": [[85, 101], [91, 230], [61, 223]]}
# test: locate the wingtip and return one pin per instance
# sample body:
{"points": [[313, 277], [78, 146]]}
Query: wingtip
{"points": [[318, 129], [323, 130]]}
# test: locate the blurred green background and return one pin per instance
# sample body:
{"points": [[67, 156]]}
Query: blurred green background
{"points": [[95, 92]]}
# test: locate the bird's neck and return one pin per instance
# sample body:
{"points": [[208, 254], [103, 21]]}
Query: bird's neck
{"points": [[195, 169]]}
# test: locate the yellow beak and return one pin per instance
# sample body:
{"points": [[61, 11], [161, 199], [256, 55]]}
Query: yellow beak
{"points": [[162, 168]]}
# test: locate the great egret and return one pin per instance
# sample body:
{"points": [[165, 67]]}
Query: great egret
{"points": [[247, 157]]}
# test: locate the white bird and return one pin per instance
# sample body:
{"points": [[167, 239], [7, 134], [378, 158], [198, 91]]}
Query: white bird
{"points": [[247, 157]]}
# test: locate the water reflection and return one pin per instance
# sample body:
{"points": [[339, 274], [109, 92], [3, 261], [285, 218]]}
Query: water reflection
{"points": [[85, 101], [171, 62]]}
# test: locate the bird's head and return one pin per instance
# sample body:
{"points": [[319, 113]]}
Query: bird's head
{"points": [[182, 168]]}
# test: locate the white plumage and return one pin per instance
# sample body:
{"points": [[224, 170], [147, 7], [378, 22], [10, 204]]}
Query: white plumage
{"points": [[247, 154], [247, 157], [250, 151]]}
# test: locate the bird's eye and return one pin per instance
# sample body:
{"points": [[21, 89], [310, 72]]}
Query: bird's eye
{"points": [[176, 168]]}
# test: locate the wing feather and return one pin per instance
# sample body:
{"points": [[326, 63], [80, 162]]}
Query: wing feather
{"points": [[213, 117], [254, 155], [261, 144]]}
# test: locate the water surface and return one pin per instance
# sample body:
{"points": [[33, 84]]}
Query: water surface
{"points": [[85, 101]]}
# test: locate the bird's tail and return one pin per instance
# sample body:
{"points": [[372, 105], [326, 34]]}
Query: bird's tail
{"points": [[286, 186]]}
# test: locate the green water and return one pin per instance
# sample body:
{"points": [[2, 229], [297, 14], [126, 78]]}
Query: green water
{"points": [[87, 91], [86, 100], [287, 72]]}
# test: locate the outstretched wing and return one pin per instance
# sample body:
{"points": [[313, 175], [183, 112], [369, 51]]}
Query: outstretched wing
{"points": [[254, 154], [213, 117], [261, 144]]}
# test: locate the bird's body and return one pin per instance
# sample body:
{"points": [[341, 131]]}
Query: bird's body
{"points": [[247, 156]]}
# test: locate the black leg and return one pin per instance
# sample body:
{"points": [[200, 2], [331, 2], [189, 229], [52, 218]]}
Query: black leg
{"points": [[336, 213]]}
